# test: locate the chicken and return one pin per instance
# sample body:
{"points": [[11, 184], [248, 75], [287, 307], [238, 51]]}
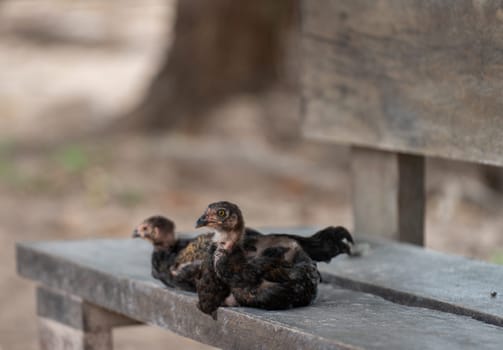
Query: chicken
{"points": [[176, 261], [271, 273]]}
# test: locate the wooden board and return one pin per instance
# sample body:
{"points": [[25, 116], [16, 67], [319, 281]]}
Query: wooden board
{"points": [[115, 274], [416, 76], [420, 277]]}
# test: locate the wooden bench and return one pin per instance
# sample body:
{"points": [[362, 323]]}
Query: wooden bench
{"points": [[398, 81], [396, 297]]}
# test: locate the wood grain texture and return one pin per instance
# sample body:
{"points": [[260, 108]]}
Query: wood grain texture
{"points": [[388, 194], [412, 76], [415, 276], [115, 274]]}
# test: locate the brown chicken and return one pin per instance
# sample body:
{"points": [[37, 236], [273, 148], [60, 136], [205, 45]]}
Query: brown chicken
{"points": [[177, 261], [270, 273]]}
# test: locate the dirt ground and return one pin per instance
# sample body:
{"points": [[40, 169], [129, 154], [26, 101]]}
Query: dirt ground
{"points": [[69, 68]]}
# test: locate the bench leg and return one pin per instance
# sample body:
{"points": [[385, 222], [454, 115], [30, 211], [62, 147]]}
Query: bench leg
{"points": [[70, 323], [388, 194]]}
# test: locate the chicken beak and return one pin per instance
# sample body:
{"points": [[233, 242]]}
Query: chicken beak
{"points": [[136, 234], [202, 221]]}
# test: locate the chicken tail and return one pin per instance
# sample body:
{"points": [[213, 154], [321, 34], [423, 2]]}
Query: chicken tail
{"points": [[327, 243]]}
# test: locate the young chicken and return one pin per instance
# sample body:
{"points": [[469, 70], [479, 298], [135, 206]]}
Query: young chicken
{"points": [[273, 274], [176, 261]]}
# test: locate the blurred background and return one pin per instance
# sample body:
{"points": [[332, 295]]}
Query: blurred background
{"points": [[111, 111]]}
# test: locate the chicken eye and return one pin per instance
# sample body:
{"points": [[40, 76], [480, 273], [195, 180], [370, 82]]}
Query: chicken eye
{"points": [[221, 213]]}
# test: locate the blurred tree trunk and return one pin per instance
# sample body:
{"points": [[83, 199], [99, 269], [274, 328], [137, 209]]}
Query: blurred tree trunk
{"points": [[221, 47]]}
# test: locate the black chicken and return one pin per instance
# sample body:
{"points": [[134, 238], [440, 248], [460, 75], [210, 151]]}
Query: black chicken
{"points": [[177, 261], [269, 272]]}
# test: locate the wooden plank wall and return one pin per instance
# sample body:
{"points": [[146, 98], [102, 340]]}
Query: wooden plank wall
{"points": [[414, 76]]}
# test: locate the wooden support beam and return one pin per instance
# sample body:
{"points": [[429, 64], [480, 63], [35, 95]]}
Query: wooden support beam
{"points": [[388, 194], [68, 322]]}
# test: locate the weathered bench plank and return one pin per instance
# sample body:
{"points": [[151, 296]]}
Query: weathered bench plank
{"points": [[420, 277], [410, 76], [115, 274]]}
